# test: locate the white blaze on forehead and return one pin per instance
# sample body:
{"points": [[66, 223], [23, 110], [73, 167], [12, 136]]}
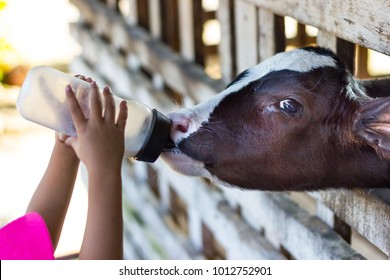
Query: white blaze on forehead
{"points": [[299, 60]]}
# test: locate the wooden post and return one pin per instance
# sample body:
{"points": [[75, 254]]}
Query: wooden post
{"points": [[155, 18], [246, 35], [227, 47], [186, 29], [170, 23], [143, 13], [346, 51], [198, 23], [267, 34]]}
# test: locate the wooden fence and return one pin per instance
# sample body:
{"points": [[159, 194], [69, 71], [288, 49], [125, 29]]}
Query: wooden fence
{"points": [[157, 52]]}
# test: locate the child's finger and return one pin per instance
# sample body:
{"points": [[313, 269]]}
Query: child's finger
{"points": [[83, 99], [74, 108], [81, 77], [122, 116], [109, 105], [72, 141], [96, 103]]}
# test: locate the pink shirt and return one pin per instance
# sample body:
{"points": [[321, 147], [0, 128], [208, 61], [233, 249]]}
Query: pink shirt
{"points": [[26, 238]]}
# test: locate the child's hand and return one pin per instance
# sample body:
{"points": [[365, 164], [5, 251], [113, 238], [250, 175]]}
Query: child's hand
{"points": [[62, 149], [100, 138]]}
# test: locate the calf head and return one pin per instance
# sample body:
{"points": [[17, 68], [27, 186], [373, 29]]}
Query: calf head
{"points": [[297, 121]]}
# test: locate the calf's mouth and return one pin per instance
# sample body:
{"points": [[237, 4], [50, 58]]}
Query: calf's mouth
{"points": [[181, 161]]}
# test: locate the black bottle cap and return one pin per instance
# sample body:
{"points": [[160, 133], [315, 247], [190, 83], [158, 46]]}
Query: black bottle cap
{"points": [[156, 139]]}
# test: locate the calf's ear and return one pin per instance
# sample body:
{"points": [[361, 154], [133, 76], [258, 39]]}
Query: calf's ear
{"points": [[371, 125]]}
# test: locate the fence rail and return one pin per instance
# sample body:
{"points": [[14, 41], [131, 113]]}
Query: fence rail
{"points": [[154, 51]]}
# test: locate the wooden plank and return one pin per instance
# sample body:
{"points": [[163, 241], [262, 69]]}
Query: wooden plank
{"points": [[238, 239], [198, 21], [102, 22], [326, 39], [87, 10], [155, 31], [112, 4], [195, 227], [325, 214], [367, 212], [155, 18], [285, 224], [132, 19], [246, 35], [186, 29], [170, 23], [128, 9], [143, 13], [267, 46], [119, 38], [226, 48], [365, 22]]}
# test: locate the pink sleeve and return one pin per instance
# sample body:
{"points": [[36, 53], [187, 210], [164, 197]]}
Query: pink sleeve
{"points": [[26, 238]]}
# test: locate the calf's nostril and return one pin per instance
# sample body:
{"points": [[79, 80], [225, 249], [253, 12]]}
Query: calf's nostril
{"points": [[180, 123], [182, 127]]}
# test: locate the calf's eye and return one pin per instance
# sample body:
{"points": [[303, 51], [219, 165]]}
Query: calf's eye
{"points": [[289, 106]]}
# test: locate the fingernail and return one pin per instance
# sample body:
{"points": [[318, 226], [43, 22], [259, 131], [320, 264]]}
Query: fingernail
{"points": [[107, 89]]}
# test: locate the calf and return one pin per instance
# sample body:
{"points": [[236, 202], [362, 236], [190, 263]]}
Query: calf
{"points": [[297, 121]]}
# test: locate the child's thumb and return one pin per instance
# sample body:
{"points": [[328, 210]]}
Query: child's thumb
{"points": [[71, 141]]}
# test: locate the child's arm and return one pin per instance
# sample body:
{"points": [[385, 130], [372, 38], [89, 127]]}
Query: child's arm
{"points": [[52, 196], [100, 146]]}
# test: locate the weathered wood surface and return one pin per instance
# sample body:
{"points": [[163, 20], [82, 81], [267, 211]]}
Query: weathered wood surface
{"points": [[242, 239], [186, 29], [179, 73], [116, 51], [367, 212], [246, 35], [267, 39], [227, 48], [365, 22], [155, 18], [284, 222], [326, 40]]}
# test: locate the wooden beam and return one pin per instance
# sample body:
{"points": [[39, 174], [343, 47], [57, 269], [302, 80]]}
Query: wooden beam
{"points": [[364, 22]]}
